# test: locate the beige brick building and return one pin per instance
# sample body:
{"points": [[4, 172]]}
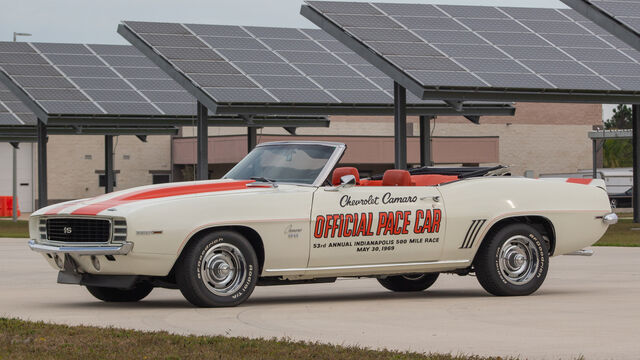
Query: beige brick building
{"points": [[544, 138]]}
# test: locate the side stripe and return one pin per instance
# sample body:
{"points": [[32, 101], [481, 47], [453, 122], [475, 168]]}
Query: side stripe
{"points": [[473, 237], [472, 233]]}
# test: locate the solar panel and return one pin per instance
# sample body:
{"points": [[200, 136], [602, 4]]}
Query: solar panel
{"points": [[621, 18], [267, 66], [12, 110], [99, 81], [489, 53]]}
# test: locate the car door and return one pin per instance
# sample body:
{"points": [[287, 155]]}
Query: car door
{"points": [[360, 225]]}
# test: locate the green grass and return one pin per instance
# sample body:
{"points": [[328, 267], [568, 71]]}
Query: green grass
{"points": [[37, 340], [10, 229], [621, 234]]}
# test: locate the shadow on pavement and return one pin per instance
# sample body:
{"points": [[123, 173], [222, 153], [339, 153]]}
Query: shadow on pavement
{"points": [[257, 301]]}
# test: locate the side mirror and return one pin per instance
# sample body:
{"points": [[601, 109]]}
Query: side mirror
{"points": [[347, 180]]}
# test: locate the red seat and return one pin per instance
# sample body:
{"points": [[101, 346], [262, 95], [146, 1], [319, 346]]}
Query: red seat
{"points": [[396, 178], [338, 173]]}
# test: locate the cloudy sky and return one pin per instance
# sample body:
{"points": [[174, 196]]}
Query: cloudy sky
{"points": [[88, 21]]}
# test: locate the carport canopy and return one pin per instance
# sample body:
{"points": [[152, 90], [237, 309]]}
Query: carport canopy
{"points": [[280, 70], [458, 53]]}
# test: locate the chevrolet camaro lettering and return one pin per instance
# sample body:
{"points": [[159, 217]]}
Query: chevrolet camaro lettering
{"points": [[286, 214]]}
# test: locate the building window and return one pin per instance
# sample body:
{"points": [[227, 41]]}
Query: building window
{"points": [[102, 181], [161, 178]]}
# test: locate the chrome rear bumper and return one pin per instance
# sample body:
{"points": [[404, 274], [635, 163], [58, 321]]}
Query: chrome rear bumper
{"points": [[610, 219], [115, 249], [583, 252]]}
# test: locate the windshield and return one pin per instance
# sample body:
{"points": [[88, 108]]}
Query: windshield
{"points": [[290, 163]]}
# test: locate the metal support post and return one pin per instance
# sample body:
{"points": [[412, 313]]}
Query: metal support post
{"points": [[595, 159], [252, 138], [400, 125], [14, 210], [425, 141], [636, 163], [42, 164], [202, 168], [108, 164]]}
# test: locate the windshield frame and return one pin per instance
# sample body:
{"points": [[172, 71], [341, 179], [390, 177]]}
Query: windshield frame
{"points": [[338, 151]]}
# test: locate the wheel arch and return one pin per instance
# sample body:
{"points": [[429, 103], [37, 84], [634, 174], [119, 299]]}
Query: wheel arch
{"points": [[250, 234], [540, 223]]}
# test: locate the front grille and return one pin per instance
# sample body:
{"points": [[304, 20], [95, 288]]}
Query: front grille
{"points": [[78, 230]]}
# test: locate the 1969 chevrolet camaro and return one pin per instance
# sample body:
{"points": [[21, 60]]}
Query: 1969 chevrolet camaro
{"points": [[284, 215]]}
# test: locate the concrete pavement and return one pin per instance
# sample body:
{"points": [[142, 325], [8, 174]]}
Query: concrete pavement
{"points": [[588, 306]]}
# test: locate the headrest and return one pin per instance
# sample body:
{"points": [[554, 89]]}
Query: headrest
{"points": [[396, 178], [342, 171]]}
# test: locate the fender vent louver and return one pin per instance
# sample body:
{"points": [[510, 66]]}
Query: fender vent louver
{"points": [[472, 233]]}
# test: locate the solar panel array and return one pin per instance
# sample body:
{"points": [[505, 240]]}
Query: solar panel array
{"points": [[93, 79], [12, 110], [625, 11], [624, 14], [490, 47], [267, 64]]}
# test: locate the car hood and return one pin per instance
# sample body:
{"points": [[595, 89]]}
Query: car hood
{"points": [[146, 194]]}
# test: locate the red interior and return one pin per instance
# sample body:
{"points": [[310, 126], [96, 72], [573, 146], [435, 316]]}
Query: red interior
{"points": [[396, 178]]}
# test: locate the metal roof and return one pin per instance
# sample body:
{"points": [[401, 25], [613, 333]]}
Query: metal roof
{"points": [[620, 18], [485, 53], [239, 69]]}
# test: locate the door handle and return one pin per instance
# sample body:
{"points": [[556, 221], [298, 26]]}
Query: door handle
{"points": [[434, 198]]}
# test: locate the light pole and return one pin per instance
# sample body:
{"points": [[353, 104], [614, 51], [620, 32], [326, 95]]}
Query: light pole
{"points": [[14, 210], [16, 34]]}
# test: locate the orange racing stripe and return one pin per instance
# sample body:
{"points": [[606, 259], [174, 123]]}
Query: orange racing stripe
{"points": [[94, 209]]}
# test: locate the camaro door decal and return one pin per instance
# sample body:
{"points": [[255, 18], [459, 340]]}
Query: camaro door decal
{"points": [[472, 233], [96, 208]]}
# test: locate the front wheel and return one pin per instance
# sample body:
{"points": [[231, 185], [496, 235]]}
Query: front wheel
{"points": [[219, 269], [409, 282], [514, 261], [136, 293]]}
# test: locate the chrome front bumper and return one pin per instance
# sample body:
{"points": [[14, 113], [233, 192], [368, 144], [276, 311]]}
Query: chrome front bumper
{"points": [[115, 249], [610, 219]]}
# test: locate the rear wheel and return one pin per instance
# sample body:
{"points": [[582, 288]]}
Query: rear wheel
{"points": [[514, 261], [137, 293], [409, 282], [219, 269]]}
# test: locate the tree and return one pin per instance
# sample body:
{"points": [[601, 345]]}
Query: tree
{"points": [[618, 153], [621, 119]]}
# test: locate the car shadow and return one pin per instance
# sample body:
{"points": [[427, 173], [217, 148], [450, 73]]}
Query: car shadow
{"points": [[373, 296]]}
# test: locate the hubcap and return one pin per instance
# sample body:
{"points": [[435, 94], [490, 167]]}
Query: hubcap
{"points": [[413, 277], [519, 260], [224, 269]]}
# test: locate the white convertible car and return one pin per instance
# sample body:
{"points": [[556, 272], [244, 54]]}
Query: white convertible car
{"points": [[284, 215]]}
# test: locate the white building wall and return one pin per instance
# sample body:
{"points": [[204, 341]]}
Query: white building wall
{"points": [[25, 174]]}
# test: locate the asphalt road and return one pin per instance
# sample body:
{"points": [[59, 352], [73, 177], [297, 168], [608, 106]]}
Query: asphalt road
{"points": [[588, 306]]}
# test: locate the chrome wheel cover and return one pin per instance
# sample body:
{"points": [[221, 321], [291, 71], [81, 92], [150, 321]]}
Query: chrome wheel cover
{"points": [[519, 260], [223, 269], [413, 277]]}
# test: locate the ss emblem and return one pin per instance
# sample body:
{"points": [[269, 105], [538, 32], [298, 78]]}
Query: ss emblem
{"points": [[67, 230]]}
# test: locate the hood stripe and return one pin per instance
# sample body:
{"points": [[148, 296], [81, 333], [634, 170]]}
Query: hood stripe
{"points": [[96, 208]]}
